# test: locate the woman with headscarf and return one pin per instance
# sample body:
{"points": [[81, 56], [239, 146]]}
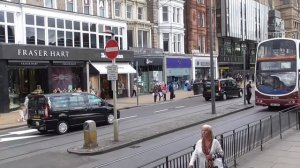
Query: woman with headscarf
{"points": [[207, 149]]}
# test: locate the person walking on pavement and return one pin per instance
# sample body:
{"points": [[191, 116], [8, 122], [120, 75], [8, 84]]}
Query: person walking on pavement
{"points": [[207, 149], [155, 92], [134, 90], [171, 90], [164, 91], [249, 93]]}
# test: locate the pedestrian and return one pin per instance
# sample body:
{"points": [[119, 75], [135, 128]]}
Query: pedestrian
{"points": [[207, 149], [155, 92], [164, 91], [171, 90], [134, 90], [249, 93]]}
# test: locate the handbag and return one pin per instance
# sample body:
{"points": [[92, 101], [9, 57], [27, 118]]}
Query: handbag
{"points": [[218, 163], [173, 95]]}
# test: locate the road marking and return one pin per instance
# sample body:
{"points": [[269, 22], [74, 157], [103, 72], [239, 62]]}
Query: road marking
{"points": [[158, 111], [23, 132], [17, 138], [19, 132], [179, 107], [127, 117]]}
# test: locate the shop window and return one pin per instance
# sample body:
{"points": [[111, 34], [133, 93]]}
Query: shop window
{"points": [[41, 36], [93, 41], [1, 16], [51, 37], [77, 39], [51, 22], [69, 24], [2, 33], [60, 23], [101, 41], [29, 19], [100, 28], [92, 27], [40, 21], [66, 78], [69, 38], [85, 26], [30, 35], [61, 38], [86, 40], [115, 30], [10, 17], [76, 25]]}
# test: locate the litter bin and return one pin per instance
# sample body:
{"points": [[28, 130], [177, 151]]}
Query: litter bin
{"points": [[197, 88]]}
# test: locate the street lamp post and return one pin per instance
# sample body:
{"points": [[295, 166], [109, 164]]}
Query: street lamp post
{"points": [[243, 46], [212, 77]]}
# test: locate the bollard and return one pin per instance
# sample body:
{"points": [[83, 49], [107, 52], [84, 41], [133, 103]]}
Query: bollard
{"points": [[90, 134]]}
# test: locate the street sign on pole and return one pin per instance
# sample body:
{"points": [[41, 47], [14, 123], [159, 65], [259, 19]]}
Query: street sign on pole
{"points": [[111, 49], [112, 72]]}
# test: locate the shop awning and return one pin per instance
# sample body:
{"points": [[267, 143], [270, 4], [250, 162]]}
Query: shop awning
{"points": [[123, 68]]}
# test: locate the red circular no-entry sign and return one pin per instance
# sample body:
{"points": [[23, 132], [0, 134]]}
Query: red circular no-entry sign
{"points": [[112, 49]]}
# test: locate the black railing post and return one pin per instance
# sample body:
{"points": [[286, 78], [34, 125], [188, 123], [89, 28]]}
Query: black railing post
{"points": [[248, 130], [271, 123], [167, 162], [234, 149], [261, 135], [280, 125]]}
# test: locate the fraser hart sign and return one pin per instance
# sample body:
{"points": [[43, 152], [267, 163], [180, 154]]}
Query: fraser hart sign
{"points": [[42, 53]]}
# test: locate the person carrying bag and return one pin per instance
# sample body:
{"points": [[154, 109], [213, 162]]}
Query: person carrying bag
{"points": [[208, 151]]}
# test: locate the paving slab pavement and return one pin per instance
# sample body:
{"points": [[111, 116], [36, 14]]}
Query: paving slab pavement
{"points": [[276, 153]]}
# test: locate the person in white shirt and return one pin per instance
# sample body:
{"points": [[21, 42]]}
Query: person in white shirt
{"points": [[207, 149]]}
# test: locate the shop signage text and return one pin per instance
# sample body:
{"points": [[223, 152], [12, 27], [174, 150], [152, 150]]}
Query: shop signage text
{"points": [[42, 53]]}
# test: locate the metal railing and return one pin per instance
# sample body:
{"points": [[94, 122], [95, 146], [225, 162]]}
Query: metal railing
{"points": [[239, 141]]}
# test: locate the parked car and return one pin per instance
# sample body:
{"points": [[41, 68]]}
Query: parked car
{"points": [[224, 88], [61, 111]]}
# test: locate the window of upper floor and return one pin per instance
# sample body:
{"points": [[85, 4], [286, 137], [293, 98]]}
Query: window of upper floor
{"points": [[102, 8], [117, 8], [70, 5], [7, 27], [70, 33], [86, 6], [50, 3], [143, 38], [129, 11], [165, 13], [141, 13]]}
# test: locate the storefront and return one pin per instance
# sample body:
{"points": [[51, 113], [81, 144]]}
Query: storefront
{"points": [[28, 68], [150, 63], [202, 68], [178, 71], [99, 81]]}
